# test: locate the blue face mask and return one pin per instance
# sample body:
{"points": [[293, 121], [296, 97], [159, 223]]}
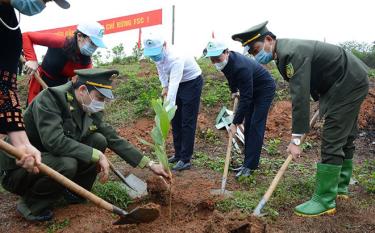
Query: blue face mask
{"points": [[88, 49], [158, 57], [28, 7], [264, 57]]}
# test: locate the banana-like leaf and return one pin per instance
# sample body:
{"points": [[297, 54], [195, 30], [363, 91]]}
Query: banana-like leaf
{"points": [[171, 113], [161, 118], [157, 136], [162, 157], [160, 131]]}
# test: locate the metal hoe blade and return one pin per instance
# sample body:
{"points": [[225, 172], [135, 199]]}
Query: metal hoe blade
{"points": [[219, 192], [138, 215]]}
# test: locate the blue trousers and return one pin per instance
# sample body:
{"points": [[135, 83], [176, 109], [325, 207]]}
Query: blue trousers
{"points": [[255, 124], [185, 120]]}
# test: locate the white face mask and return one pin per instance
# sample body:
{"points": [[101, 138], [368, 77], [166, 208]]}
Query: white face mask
{"points": [[220, 65], [94, 106]]}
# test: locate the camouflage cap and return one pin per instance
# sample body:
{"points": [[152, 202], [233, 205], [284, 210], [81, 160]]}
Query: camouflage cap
{"points": [[100, 79]]}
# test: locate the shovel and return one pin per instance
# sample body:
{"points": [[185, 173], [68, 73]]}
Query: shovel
{"points": [[137, 215], [135, 187], [222, 191], [280, 173]]}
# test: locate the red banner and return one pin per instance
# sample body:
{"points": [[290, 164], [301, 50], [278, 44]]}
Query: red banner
{"points": [[119, 24]]}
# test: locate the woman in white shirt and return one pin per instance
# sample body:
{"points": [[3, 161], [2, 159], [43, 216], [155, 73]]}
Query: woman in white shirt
{"points": [[182, 82]]}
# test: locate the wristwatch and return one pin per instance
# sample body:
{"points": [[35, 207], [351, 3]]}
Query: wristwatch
{"points": [[296, 141]]}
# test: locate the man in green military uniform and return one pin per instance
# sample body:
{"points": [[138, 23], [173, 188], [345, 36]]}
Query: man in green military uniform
{"points": [[339, 81], [65, 124]]}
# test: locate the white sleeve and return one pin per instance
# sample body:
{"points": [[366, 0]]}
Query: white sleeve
{"points": [[175, 77], [162, 77]]}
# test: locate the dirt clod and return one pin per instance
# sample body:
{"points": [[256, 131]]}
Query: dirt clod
{"points": [[234, 222]]}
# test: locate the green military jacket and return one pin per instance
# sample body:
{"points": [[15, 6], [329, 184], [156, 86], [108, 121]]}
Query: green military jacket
{"points": [[326, 72], [56, 124]]}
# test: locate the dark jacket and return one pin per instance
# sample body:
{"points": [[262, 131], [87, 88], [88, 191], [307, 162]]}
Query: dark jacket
{"points": [[249, 78]]}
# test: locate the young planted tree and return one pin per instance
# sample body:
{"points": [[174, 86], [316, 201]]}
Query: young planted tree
{"points": [[159, 134]]}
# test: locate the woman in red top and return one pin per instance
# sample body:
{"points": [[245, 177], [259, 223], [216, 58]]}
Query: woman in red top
{"points": [[64, 55]]}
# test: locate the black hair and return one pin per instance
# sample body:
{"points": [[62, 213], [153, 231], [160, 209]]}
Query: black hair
{"points": [[70, 49]]}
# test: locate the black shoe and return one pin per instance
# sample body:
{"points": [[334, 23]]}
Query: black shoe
{"points": [[173, 159], [244, 172], [237, 169], [22, 208], [180, 165], [72, 198]]}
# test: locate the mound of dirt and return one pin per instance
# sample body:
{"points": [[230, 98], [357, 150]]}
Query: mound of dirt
{"points": [[192, 205], [279, 121], [158, 189], [234, 222], [140, 128], [366, 116]]}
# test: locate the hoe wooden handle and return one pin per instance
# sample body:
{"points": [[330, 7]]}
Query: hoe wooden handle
{"points": [[40, 80], [280, 173], [229, 150], [11, 150]]}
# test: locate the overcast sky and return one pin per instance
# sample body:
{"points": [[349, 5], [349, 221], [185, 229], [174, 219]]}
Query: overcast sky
{"points": [[331, 20]]}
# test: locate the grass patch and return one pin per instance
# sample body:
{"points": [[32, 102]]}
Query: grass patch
{"points": [[365, 174], [371, 73], [112, 192], [272, 68], [215, 91], [272, 146], [209, 136], [133, 97], [297, 184], [55, 225], [201, 159], [281, 94], [246, 202]]}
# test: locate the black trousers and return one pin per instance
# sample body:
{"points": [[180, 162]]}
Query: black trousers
{"points": [[185, 120], [255, 123]]}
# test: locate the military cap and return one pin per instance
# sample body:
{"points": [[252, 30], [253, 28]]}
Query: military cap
{"points": [[100, 79], [251, 34]]}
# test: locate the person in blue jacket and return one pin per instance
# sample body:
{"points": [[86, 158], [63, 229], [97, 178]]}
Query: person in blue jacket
{"points": [[256, 91]]}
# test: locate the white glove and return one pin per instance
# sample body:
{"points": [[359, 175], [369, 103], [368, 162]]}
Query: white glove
{"points": [[31, 67]]}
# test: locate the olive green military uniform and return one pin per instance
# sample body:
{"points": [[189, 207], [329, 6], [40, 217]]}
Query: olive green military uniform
{"points": [[339, 81], [334, 77], [69, 140]]}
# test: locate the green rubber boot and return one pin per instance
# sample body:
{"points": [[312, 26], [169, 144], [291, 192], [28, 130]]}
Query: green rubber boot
{"points": [[345, 175], [323, 199]]}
